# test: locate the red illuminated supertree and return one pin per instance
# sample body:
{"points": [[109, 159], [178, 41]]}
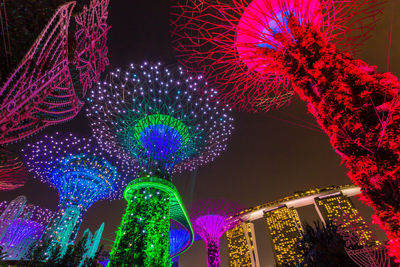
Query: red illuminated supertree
{"points": [[209, 220], [41, 91], [266, 45], [226, 40], [12, 171]]}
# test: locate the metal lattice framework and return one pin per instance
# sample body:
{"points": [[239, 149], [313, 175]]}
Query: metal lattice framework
{"points": [[224, 39], [210, 221], [91, 37], [41, 92], [13, 174], [160, 117]]}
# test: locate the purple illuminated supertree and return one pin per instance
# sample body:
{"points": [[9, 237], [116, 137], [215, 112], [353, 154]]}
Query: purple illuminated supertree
{"points": [[23, 232], [13, 174], [82, 174], [41, 91], [209, 219]]}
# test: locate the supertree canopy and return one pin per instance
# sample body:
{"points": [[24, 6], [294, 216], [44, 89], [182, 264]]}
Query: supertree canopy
{"points": [[41, 90], [355, 105], [82, 175], [23, 232], [168, 122], [178, 237], [13, 174], [210, 221], [225, 39]]}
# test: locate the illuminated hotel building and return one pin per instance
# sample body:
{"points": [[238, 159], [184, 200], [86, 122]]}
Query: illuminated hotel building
{"points": [[339, 207], [241, 246], [283, 224], [284, 228]]}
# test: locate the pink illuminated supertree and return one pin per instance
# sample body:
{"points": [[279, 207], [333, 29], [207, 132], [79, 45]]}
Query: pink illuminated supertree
{"points": [[269, 44], [13, 174], [91, 37], [209, 220], [41, 92]]}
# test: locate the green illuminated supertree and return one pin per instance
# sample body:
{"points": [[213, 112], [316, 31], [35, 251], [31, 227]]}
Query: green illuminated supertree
{"points": [[159, 117]]}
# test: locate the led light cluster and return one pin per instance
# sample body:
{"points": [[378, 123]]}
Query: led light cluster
{"points": [[164, 118]]}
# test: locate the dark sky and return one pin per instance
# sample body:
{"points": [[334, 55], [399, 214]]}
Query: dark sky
{"points": [[267, 157]]}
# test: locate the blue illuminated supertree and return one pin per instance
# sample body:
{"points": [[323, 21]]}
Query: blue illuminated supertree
{"points": [[23, 232], [82, 175], [178, 237], [157, 116]]}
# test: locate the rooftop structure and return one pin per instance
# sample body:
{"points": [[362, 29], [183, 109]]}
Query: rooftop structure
{"points": [[284, 227]]}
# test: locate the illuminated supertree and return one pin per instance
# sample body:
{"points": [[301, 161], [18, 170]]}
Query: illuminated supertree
{"points": [[178, 238], [13, 174], [23, 232], [10, 212], [82, 175], [158, 116], [41, 91], [303, 43], [209, 219], [225, 39]]}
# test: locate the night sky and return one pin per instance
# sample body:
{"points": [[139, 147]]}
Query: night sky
{"points": [[269, 155]]}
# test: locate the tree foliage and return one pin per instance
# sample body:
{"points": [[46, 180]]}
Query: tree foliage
{"points": [[323, 246]]}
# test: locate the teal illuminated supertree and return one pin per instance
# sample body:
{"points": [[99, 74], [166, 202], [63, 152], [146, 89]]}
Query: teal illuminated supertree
{"points": [[157, 116], [82, 175]]}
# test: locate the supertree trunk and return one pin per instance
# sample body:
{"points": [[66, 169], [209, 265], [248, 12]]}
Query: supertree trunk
{"points": [[142, 238], [358, 108], [213, 254]]}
